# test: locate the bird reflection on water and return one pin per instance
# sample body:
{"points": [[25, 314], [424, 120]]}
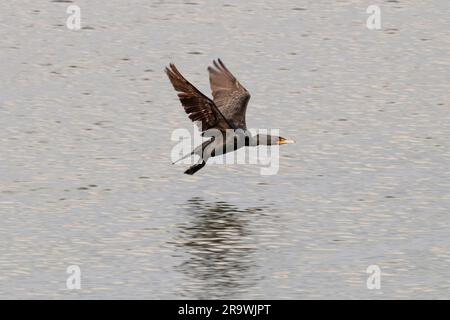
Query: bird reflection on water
{"points": [[219, 247]]}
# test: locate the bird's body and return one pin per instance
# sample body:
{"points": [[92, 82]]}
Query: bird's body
{"points": [[222, 119]]}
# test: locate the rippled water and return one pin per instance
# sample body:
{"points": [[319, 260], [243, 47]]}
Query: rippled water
{"points": [[86, 119]]}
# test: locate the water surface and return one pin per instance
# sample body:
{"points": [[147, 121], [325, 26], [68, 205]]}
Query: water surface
{"points": [[86, 177]]}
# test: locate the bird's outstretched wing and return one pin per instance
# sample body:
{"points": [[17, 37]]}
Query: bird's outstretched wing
{"points": [[229, 95], [200, 108]]}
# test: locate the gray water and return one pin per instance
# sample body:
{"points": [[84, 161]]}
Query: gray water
{"points": [[86, 179]]}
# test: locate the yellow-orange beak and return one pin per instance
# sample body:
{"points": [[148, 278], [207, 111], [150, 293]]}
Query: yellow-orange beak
{"points": [[285, 141]]}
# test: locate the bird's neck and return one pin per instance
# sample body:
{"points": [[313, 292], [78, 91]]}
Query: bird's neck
{"points": [[254, 141]]}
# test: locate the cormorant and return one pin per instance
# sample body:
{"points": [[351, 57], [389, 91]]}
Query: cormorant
{"points": [[216, 118]]}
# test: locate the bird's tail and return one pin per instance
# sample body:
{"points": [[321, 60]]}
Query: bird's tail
{"points": [[184, 157], [195, 168]]}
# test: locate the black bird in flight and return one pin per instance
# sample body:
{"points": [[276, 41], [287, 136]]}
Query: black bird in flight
{"points": [[225, 113]]}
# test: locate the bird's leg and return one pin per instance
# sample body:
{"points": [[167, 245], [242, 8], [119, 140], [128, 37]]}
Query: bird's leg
{"points": [[195, 167]]}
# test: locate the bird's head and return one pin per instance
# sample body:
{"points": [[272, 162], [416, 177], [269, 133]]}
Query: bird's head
{"points": [[267, 140], [282, 140]]}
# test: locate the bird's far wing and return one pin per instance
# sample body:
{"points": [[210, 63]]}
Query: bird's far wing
{"points": [[229, 95], [199, 108]]}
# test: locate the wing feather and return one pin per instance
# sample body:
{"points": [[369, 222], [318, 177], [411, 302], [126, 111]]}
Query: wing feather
{"points": [[200, 109], [229, 95]]}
